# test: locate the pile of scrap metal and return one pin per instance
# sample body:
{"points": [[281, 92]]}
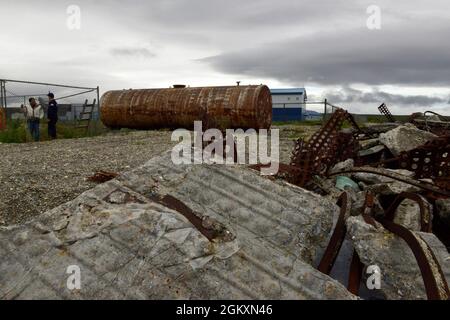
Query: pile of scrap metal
{"points": [[396, 179], [429, 120], [432, 122]]}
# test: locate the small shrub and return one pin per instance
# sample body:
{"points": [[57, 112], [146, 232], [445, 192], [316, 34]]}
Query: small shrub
{"points": [[15, 132]]}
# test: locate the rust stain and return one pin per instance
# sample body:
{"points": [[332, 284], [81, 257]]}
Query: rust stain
{"points": [[210, 228], [102, 176]]}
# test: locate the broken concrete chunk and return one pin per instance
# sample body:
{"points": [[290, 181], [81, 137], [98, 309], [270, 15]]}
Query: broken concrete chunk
{"points": [[408, 215], [371, 151], [376, 178], [344, 165], [391, 188], [128, 246], [398, 187], [405, 138], [400, 274], [366, 144]]}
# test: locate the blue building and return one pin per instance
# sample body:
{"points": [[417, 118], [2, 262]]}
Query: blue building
{"points": [[288, 104]]}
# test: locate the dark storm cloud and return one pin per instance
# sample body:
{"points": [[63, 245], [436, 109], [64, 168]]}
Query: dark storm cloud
{"points": [[229, 15], [323, 43], [408, 55], [348, 95]]}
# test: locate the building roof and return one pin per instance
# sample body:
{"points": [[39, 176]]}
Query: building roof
{"points": [[288, 91]]}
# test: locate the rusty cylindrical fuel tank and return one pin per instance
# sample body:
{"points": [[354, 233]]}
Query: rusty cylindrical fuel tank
{"points": [[218, 107]]}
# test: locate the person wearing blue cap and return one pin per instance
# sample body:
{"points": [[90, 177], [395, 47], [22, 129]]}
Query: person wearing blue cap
{"points": [[52, 115]]}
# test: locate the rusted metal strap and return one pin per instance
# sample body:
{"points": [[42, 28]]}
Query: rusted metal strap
{"points": [[334, 246], [367, 209], [355, 274], [425, 209], [177, 205], [434, 279], [356, 266], [102, 176]]}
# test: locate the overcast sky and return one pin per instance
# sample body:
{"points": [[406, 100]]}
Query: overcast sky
{"points": [[324, 46]]}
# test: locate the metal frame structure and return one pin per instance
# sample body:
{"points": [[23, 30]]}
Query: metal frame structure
{"points": [[4, 96], [325, 105]]}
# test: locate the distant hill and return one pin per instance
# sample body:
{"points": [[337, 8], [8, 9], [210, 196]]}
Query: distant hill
{"points": [[312, 113]]}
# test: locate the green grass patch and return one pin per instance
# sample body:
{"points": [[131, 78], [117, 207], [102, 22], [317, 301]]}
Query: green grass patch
{"points": [[17, 131], [298, 123], [376, 119]]}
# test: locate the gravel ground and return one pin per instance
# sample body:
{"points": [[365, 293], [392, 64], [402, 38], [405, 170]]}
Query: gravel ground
{"points": [[36, 177], [39, 176]]}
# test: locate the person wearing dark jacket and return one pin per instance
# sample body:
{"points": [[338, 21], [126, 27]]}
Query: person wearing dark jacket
{"points": [[52, 115]]}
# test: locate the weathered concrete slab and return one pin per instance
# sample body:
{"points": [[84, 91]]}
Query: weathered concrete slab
{"points": [[405, 138], [128, 246], [400, 274]]}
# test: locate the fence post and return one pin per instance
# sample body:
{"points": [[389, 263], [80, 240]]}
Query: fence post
{"points": [[5, 104], [2, 119], [98, 103], [1, 93], [2, 105], [325, 102]]}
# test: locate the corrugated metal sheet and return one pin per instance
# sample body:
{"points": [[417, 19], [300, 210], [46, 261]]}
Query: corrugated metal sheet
{"points": [[287, 114]]}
